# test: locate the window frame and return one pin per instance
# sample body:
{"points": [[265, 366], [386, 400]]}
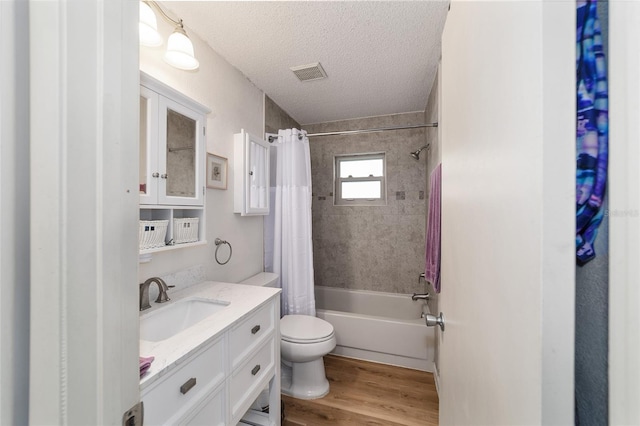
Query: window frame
{"points": [[337, 180]]}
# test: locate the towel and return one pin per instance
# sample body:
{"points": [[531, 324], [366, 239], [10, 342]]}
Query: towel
{"points": [[592, 134], [432, 246], [145, 363]]}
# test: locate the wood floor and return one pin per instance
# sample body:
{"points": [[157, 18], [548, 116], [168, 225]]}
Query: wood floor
{"points": [[366, 393]]}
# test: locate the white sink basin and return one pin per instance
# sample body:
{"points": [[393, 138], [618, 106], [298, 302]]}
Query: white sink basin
{"points": [[176, 317]]}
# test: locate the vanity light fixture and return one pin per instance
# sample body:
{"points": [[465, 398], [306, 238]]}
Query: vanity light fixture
{"points": [[179, 51]]}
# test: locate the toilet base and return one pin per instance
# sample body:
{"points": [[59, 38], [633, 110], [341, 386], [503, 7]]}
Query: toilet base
{"points": [[304, 380]]}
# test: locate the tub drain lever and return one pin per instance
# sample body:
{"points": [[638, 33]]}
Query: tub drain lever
{"points": [[433, 320]]}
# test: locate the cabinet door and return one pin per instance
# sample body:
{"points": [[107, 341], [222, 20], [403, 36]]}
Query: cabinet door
{"points": [[180, 159], [149, 173], [257, 168]]}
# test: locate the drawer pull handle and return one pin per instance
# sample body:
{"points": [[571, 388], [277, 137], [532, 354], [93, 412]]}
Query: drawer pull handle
{"points": [[255, 370], [188, 385], [255, 329]]}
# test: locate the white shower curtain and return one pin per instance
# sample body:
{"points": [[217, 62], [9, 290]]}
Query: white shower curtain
{"points": [[288, 226]]}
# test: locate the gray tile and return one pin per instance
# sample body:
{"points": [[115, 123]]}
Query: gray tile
{"points": [[413, 207], [411, 178], [411, 228]]}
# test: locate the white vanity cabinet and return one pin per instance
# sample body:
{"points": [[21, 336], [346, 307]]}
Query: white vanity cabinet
{"points": [[251, 171], [217, 382], [172, 157]]}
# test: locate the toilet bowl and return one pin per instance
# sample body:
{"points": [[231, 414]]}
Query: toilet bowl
{"points": [[304, 340]]}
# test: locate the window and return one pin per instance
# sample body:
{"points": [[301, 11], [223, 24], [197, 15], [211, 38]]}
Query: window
{"points": [[360, 180]]}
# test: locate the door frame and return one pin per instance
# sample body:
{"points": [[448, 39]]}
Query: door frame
{"points": [[84, 202], [624, 213]]}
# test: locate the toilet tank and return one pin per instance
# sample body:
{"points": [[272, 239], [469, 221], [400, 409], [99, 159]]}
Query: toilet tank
{"points": [[263, 279]]}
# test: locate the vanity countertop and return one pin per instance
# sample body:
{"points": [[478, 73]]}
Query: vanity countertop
{"points": [[172, 351]]}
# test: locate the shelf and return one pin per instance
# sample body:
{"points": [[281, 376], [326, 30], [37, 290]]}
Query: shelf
{"points": [[168, 207], [171, 213], [173, 247]]}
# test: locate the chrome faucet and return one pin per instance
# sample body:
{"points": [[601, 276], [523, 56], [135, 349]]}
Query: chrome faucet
{"points": [[417, 296], [144, 292]]}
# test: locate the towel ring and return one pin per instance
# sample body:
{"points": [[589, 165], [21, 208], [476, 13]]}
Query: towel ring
{"points": [[219, 243]]}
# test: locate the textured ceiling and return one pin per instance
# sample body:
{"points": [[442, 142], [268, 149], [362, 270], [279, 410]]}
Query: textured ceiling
{"points": [[381, 57]]}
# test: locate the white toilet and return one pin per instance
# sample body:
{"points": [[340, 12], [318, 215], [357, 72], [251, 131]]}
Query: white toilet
{"points": [[304, 341]]}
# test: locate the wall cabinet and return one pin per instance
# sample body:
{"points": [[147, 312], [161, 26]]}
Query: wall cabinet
{"points": [[172, 156], [251, 171]]}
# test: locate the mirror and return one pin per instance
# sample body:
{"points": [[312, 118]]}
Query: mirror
{"points": [[181, 155], [258, 171]]}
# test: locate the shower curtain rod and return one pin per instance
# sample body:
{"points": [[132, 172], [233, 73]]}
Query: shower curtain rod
{"points": [[350, 132]]}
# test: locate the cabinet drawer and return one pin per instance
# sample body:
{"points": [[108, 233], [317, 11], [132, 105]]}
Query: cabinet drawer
{"points": [[248, 380], [168, 400], [250, 333], [210, 412]]}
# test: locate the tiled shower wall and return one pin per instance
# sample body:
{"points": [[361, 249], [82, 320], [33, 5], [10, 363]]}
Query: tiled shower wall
{"points": [[275, 118], [377, 248]]}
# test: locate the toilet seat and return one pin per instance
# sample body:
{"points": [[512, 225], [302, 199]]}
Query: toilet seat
{"points": [[305, 329]]}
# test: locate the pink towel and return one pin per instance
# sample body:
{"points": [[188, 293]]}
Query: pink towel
{"points": [[145, 364], [432, 247]]}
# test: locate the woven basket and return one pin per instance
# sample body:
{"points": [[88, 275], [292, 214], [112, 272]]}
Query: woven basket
{"points": [[185, 230], [152, 233]]}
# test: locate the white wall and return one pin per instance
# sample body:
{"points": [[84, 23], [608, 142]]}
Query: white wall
{"points": [[235, 103], [14, 213]]}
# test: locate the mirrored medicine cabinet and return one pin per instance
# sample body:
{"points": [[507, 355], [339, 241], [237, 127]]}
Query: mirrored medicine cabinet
{"points": [[172, 166]]}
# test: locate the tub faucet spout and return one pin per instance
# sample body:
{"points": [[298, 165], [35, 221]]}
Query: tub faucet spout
{"points": [[417, 296]]}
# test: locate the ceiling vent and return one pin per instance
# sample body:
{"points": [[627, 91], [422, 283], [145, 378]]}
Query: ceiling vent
{"points": [[309, 72]]}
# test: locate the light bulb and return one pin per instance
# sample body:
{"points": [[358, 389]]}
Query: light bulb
{"points": [[148, 27], [180, 51]]}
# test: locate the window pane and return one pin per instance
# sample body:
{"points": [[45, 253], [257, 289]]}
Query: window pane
{"points": [[361, 168], [368, 190]]}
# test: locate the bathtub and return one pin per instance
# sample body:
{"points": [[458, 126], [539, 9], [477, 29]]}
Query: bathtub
{"points": [[377, 326]]}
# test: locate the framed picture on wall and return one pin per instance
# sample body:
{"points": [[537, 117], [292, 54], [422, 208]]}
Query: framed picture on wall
{"points": [[216, 171]]}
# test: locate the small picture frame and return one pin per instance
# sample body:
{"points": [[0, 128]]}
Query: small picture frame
{"points": [[216, 171]]}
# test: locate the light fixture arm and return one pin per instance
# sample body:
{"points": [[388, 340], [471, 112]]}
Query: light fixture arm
{"points": [[166, 17]]}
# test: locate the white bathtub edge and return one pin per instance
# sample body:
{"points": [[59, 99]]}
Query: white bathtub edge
{"points": [[382, 358]]}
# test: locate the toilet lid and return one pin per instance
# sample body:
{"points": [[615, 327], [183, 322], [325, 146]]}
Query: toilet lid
{"points": [[304, 328]]}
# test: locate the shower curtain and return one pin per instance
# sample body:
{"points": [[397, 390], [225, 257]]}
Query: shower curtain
{"points": [[288, 244]]}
